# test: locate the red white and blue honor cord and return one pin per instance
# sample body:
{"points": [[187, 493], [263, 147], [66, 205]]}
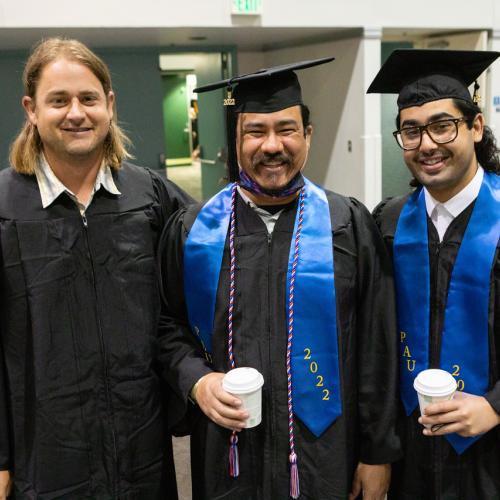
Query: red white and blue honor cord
{"points": [[233, 450], [234, 465], [294, 472]]}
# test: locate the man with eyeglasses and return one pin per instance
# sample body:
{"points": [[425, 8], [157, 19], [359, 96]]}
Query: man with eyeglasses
{"points": [[444, 239]]}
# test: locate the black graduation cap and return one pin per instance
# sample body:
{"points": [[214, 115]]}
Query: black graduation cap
{"points": [[425, 75], [264, 91]]}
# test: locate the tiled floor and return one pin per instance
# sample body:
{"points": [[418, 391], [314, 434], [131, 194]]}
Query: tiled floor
{"points": [[188, 178], [182, 466]]}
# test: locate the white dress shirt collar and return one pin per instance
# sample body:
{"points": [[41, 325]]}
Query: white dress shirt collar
{"points": [[442, 214], [51, 187]]}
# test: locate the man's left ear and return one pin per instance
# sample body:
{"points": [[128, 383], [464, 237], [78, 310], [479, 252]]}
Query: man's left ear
{"points": [[309, 131], [478, 127], [29, 107], [111, 103]]}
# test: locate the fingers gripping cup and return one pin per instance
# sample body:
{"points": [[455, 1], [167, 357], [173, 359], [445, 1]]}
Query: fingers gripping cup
{"points": [[246, 384], [433, 386]]}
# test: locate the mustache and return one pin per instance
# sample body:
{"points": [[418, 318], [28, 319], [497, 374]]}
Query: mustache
{"points": [[438, 152], [271, 158]]}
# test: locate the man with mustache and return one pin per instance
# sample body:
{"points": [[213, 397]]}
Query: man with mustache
{"points": [[292, 280], [82, 410], [445, 243]]}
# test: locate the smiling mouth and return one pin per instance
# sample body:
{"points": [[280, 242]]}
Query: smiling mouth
{"points": [[77, 129], [273, 165], [271, 161], [433, 161], [432, 164]]}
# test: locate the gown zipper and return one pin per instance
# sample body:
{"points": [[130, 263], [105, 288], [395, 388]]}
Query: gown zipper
{"points": [[104, 357]]}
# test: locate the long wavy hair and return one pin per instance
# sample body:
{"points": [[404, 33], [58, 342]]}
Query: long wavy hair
{"points": [[27, 146]]}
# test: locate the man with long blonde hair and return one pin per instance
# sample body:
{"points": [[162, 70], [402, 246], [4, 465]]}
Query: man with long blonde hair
{"points": [[81, 411]]}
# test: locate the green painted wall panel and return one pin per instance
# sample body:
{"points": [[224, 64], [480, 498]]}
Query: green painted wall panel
{"points": [[11, 111], [137, 83], [395, 175]]}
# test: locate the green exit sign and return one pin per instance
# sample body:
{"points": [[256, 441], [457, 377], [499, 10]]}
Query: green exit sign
{"points": [[247, 7]]}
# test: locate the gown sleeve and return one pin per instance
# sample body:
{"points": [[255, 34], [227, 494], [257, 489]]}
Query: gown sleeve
{"points": [[377, 343], [180, 353], [493, 396], [170, 197]]}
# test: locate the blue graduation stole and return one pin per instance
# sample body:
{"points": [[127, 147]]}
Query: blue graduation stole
{"points": [[464, 345], [314, 358]]}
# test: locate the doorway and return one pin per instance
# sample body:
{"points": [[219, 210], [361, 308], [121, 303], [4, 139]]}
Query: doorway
{"points": [[176, 118], [194, 124]]}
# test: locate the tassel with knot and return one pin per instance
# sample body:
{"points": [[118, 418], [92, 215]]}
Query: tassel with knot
{"points": [[476, 98], [294, 477], [234, 462]]}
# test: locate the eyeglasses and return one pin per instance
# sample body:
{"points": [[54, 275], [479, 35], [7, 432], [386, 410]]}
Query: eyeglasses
{"points": [[440, 131]]}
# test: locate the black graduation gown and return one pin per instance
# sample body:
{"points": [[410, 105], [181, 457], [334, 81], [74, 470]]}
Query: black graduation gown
{"points": [[81, 410], [430, 468], [366, 331]]}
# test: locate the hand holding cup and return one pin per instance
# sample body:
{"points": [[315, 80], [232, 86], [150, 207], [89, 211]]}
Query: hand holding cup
{"points": [[246, 384], [221, 407], [434, 386]]}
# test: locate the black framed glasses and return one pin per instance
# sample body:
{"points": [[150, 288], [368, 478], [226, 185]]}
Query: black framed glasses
{"points": [[440, 131]]}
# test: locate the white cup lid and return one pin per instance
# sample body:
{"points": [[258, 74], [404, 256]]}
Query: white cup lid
{"points": [[435, 382], [242, 380]]}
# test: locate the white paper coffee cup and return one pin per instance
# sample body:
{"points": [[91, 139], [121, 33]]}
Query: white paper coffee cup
{"points": [[433, 386], [246, 384]]}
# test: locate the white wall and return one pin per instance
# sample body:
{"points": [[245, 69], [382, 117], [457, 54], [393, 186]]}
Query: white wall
{"points": [[428, 14], [494, 87], [249, 62]]}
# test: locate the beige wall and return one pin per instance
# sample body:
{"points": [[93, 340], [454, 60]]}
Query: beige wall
{"points": [[217, 13]]}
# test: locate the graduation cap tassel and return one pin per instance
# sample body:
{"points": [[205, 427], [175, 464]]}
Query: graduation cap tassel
{"points": [[476, 98], [232, 162], [234, 462], [231, 122]]}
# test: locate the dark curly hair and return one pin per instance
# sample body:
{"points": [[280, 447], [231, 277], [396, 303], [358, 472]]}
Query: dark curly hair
{"points": [[306, 116], [486, 150]]}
